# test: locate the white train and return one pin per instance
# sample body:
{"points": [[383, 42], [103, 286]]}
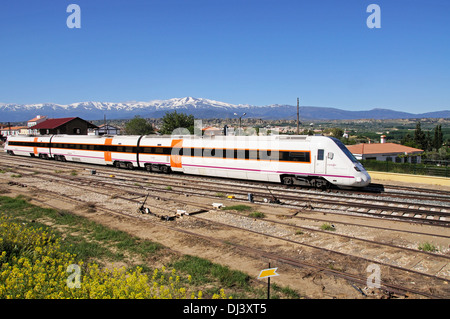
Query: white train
{"points": [[305, 160]]}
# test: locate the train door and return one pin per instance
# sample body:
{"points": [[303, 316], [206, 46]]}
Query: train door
{"points": [[320, 162]]}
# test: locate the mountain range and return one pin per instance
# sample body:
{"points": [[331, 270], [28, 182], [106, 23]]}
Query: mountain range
{"points": [[199, 107]]}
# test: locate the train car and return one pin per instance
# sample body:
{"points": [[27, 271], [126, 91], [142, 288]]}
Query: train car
{"points": [[34, 146], [84, 149], [304, 160], [292, 160]]}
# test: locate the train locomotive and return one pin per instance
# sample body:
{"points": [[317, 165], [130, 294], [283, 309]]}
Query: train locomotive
{"points": [[316, 161]]}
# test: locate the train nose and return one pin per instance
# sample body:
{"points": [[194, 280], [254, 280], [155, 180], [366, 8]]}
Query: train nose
{"points": [[363, 179]]}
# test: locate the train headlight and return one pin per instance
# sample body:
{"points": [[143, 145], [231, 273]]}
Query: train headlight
{"points": [[357, 168]]}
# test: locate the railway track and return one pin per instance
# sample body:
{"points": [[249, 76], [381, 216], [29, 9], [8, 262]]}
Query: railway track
{"points": [[140, 191], [262, 252], [409, 208]]}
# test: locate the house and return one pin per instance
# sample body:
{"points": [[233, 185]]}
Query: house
{"points": [[38, 119], [211, 130], [108, 130], [386, 152], [13, 130], [67, 125]]}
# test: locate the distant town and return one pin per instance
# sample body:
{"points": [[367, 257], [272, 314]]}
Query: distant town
{"points": [[397, 141]]}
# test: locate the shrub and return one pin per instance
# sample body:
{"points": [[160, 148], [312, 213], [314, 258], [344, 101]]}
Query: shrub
{"points": [[33, 265]]}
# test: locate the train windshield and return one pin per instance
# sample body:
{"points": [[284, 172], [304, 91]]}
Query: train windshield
{"points": [[345, 150]]}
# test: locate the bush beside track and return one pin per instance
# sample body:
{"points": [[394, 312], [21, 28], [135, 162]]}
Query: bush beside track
{"points": [[34, 259]]}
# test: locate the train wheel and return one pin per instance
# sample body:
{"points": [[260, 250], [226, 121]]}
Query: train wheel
{"points": [[320, 183], [165, 169], [148, 167], [288, 180], [130, 165]]}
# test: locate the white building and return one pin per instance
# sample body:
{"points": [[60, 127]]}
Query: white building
{"points": [[386, 152]]}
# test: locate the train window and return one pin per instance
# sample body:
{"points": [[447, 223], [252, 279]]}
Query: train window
{"points": [[320, 155], [176, 151], [253, 154], [330, 155], [239, 154], [297, 156], [208, 152], [229, 153], [265, 154], [345, 150], [284, 156], [187, 151]]}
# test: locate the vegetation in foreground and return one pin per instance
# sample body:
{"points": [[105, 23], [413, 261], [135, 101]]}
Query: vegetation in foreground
{"points": [[47, 253]]}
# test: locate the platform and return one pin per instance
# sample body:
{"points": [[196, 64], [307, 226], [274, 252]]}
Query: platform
{"points": [[408, 178]]}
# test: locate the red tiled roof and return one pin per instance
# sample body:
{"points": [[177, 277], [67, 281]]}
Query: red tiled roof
{"points": [[52, 123], [39, 117], [381, 148]]}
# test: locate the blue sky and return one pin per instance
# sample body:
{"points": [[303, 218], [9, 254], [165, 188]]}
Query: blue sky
{"points": [[236, 51]]}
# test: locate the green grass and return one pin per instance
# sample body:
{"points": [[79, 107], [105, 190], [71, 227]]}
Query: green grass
{"points": [[327, 226], [239, 208], [203, 271], [257, 215], [427, 247], [85, 238], [287, 291]]}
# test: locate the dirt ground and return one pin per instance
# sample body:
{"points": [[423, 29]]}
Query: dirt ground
{"points": [[307, 282]]}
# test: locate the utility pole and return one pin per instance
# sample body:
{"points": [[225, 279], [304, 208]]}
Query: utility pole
{"points": [[240, 121], [298, 125]]}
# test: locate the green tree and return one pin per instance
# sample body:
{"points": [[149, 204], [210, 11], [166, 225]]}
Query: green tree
{"points": [[174, 120], [138, 126], [438, 138], [420, 137], [337, 132], [408, 140]]}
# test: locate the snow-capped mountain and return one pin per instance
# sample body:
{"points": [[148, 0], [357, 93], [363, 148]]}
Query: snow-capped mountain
{"points": [[199, 107]]}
